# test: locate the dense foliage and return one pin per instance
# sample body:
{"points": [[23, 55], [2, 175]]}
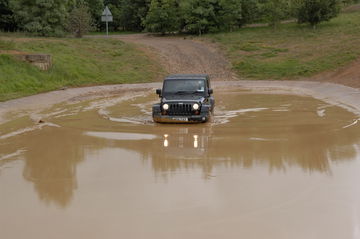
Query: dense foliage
{"points": [[163, 16], [7, 21], [41, 16], [316, 11], [273, 11], [79, 22], [49, 17], [128, 14], [96, 7]]}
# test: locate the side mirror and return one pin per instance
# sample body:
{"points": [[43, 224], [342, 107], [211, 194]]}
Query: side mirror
{"points": [[158, 92], [211, 91]]}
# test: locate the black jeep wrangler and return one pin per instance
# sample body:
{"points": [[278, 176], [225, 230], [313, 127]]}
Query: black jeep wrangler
{"points": [[184, 99]]}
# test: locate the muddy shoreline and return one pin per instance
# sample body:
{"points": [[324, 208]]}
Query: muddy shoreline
{"points": [[336, 94]]}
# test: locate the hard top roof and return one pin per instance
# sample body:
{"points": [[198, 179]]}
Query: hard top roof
{"points": [[187, 77]]}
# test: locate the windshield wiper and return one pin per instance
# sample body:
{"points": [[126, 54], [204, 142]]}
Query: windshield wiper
{"points": [[188, 92], [182, 92]]}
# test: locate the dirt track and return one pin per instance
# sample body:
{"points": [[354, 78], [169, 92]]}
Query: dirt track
{"points": [[181, 55]]}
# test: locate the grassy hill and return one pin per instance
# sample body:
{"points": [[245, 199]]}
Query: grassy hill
{"points": [[76, 62], [292, 51]]}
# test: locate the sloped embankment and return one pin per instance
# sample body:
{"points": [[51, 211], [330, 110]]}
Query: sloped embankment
{"points": [[75, 62]]}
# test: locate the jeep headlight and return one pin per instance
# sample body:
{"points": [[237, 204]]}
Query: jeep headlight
{"points": [[196, 106], [165, 106]]}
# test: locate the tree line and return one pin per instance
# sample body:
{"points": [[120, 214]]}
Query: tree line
{"points": [[55, 17]]}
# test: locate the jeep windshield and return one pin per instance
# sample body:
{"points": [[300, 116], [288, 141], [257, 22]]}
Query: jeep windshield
{"points": [[184, 87]]}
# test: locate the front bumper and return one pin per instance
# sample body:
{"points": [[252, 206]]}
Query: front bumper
{"points": [[202, 118], [160, 117]]}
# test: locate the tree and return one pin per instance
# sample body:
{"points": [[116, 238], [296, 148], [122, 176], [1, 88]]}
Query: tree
{"points": [[162, 16], [274, 11], [316, 11], [7, 21], [348, 2], [199, 16], [230, 14], [41, 17], [128, 15], [250, 12], [96, 7], [79, 22]]}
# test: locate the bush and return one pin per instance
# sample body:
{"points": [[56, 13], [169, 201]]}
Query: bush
{"points": [[79, 22], [162, 16], [273, 11], [316, 11]]}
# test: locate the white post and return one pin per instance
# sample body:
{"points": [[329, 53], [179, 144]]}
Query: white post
{"points": [[107, 28], [107, 17]]}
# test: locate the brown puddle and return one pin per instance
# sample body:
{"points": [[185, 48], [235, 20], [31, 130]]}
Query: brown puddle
{"points": [[267, 166]]}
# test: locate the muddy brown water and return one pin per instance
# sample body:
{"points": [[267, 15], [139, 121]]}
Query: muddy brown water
{"points": [[266, 166]]}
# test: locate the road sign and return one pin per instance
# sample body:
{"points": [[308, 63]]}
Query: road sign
{"points": [[107, 17]]}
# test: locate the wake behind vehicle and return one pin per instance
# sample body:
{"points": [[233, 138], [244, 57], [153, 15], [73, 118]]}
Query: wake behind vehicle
{"points": [[184, 99]]}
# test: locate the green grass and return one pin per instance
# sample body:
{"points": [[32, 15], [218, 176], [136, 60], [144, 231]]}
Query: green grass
{"points": [[6, 45], [76, 62], [292, 51]]}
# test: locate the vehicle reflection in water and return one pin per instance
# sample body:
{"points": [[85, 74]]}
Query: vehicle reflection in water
{"points": [[196, 143], [209, 147], [166, 141], [184, 141]]}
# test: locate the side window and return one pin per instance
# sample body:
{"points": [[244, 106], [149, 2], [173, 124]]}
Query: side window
{"points": [[208, 84]]}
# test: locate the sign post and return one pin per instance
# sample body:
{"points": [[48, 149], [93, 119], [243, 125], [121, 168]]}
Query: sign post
{"points": [[107, 17]]}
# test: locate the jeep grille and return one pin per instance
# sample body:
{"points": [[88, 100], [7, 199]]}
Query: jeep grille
{"points": [[180, 109]]}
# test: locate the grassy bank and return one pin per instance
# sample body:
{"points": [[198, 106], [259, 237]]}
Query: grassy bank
{"points": [[76, 62], [292, 51]]}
